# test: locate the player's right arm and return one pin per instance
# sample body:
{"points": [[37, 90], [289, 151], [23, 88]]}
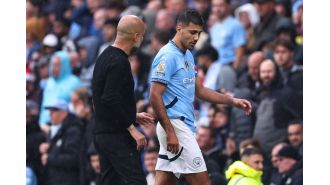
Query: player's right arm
{"points": [[156, 91]]}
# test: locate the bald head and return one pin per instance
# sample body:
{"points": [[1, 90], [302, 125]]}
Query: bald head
{"points": [[130, 25], [275, 151], [254, 62], [267, 71]]}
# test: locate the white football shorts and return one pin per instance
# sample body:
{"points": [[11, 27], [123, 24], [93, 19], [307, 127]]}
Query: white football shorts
{"points": [[188, 160]]}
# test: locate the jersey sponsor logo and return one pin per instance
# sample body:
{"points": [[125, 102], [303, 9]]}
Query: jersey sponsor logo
{"points": [[197, 162], [189, 82]]}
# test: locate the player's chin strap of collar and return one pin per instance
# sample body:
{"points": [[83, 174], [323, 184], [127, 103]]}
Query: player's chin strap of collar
{"points": [[161, 156]]}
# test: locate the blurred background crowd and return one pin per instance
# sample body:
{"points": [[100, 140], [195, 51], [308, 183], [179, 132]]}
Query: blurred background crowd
{"points": [[249, 49]]}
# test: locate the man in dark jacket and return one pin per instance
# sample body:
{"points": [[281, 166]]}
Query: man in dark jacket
{"points": [[289, 166], [277, 106], [34, 137], [60, 155], [292, 74], [116, 138], [265, 30]]}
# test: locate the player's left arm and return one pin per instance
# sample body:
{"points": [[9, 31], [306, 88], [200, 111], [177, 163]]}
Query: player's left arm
{"points": [[211, 96]]}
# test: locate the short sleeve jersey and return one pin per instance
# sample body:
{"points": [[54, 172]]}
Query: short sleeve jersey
{"points": [[177, 71], [226, 37]]}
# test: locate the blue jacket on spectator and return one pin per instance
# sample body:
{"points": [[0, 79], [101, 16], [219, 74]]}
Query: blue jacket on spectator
{"points": [[60, 88]]}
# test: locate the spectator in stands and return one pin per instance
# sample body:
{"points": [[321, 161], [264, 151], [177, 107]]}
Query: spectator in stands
{"points": [[264, 32], [289, 166], [81, 19], [210, 69], [93, 5], [59, 85], [42, 71], [35, 29], [206, 138], [220, 125], [61, 153], [158, 39], [81, 107], [150, 160], [165, 21], [94, 163], [249, 143], [285, 30], [292, 74], [248, 15], [50, 44], [88, 49], [99, 18], [251, 78], [295, 135], [227, 35], [176, 6], [139, 64], [61, 28], [34, 137], [109, 31], [115, 8], [248, 170], [277, 105], [203, 7], [31, 89], [276, 176], [283, 7]]}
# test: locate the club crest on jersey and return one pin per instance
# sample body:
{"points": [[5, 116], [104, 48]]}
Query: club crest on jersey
{"points": [[186, 65]]}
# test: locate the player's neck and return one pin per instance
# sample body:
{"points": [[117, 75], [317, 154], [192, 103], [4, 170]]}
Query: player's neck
{"points": [[178, 44]]}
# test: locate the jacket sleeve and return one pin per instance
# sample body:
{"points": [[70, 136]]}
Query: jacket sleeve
{"points": [[69, 156], [111, 96]]}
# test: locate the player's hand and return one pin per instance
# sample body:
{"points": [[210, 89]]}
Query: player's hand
{"points": [[141, 141], [243, 104], [145, 119], [172, 143]]}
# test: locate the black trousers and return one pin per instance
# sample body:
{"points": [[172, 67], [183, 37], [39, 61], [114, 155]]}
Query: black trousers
{"points": [[119, 160]]}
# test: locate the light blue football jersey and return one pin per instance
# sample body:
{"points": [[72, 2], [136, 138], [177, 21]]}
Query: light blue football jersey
{"points": [[177, 70]]}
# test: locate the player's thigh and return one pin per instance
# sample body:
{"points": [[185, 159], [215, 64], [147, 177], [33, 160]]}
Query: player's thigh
{"points": [[201, 178], [165, 178]]}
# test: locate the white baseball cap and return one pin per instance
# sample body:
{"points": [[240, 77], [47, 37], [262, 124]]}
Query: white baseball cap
{"points": [[50, 40]]}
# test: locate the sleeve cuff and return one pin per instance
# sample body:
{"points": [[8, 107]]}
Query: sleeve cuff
{"points": [[159, 80]]}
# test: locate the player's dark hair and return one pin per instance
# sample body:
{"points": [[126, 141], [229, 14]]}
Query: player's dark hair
{"points": [[190, 16]]}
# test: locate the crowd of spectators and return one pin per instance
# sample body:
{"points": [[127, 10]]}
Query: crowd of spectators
{"points": [[249, 49]]}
